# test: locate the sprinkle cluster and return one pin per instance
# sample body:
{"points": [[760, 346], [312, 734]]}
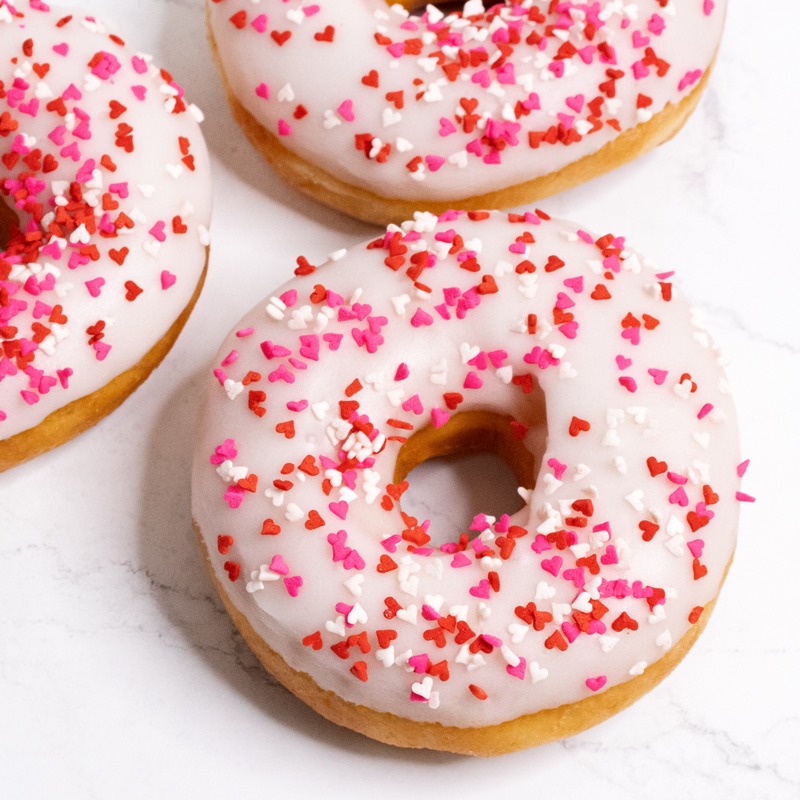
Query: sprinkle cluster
{"points": [[84, 232], [443, 92]]}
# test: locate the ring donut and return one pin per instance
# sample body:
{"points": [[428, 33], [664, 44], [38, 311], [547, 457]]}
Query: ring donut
{"points": [[517, 334], [103, 223], [380, 112]]}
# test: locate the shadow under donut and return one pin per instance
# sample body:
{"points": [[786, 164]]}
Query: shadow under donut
{"points": [[184, 593]]}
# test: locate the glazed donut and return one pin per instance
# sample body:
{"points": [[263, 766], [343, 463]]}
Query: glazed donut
{"points": [[560, 351], [379, 112], [105, 206]]}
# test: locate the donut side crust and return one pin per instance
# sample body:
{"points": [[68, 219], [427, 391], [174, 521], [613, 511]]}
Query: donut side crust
{"points": [[371, 207], [81, 414], [526, 731]]}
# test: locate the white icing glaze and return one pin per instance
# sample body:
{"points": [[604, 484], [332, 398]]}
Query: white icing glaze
{"points": [[626, 365], [56, 125], [592, 73]]}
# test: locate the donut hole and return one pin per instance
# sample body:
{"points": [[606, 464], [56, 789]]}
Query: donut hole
{"points": [[417, 6], [9, 222], [473, 464]]}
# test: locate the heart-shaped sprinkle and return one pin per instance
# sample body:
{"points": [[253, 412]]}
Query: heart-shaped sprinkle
{"points": [[596, 683]]}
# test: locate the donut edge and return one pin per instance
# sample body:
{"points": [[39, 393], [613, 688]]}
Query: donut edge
{"points": [[81, 414], [530, 730], [370, 207]]}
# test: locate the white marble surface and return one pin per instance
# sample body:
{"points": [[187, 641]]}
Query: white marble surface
{"points": [[122, 677]]}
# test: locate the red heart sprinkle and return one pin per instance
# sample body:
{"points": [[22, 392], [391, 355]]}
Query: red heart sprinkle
{"points": [[696, 521], [648, 529], [270, 528], [326, 35], [249, 483], [655, 466], [699, 570], [385, 638], [132, 291], [709, 495], [453, 399], [313, 640], [386, 564], [118, 255], [314, 520], [577, 425], [281, 37], [371, 79]]}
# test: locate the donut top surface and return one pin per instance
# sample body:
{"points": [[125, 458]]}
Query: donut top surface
{"points": [[444, 106], [606, 376], [105, 179]]}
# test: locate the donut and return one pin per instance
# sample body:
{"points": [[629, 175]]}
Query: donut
{"points": [[103, 226], [562, 352], [379, 111]]}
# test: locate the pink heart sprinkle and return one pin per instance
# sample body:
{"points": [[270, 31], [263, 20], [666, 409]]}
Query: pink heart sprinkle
{"points": [[569, 329], [340, 509], [101, 350], [540, 544], [278, 566], [345, 111], [679, 497], [623, 363], [519, 670], [413, 405], [632, 335], [497, 357], [610, 556], [419, 663], [233, 496], [460, 560], [260, 23], [553, 565], [439, 417], [390, 543], [481, 590], [435, 163], [446, 127], [696, 547], [571, 631], [475, 147], [596, 684], [262, 90], [473, 381], [293, 585], [575, 103], [564, 301], [94, 286]]}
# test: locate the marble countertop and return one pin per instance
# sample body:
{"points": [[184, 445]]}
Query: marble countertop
{"points": [[121, 675]]}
